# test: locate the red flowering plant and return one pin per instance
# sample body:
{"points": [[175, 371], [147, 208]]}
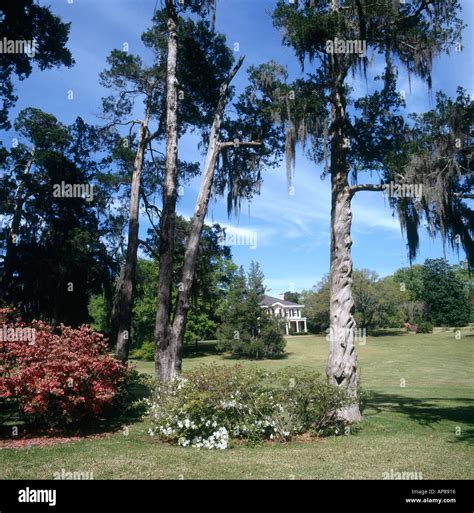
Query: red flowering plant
{"points": [[57, 375]]}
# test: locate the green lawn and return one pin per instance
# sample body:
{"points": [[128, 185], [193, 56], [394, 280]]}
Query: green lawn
{"points": [[407, 429]]}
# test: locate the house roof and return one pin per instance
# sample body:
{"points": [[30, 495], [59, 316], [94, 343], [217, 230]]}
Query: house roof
{"points": [[270, 301]]}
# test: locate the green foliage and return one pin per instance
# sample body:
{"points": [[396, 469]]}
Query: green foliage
{"points": [[246, 330], [60, 259], [316, 308], [268, 343], [211, 405], [200, 324], [424, 151], [131, 396], [98, 313], [144, 303], [444, 289], [378, 302], [214, 272], [424, 327], [411, 280], [145, 351], [434, 292], [294, 297], [26, 20], [438, 154], [445, 294], [204, 60]]}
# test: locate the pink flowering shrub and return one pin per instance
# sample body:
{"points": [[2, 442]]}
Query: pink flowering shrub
{"points": [[59, 375]]}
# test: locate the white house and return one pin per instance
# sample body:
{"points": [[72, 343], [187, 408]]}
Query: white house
{"points": [[291, 312]]}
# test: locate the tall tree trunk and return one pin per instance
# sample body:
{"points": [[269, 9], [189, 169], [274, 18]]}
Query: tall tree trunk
{"points": [[342, 362], [14, 230], [197, 222], [342, 367], [127, 285], [166, 357]]}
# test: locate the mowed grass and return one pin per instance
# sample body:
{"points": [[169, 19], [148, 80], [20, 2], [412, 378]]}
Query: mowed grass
{"points": [[418, 418]]}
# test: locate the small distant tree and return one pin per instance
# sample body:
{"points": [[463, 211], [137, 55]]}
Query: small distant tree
{"points": [[447, 298], [436, 292], [294, 297], [316, 308], [410, 280], [390, 300], [247, 330], [379, 303], [365, 297]]}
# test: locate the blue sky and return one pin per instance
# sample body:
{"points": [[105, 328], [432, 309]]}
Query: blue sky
{"points": [[291, 231]]}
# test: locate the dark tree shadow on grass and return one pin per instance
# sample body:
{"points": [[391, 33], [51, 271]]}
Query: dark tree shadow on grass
{"points": [[386, 333], [426, 411], [283, 356], [201, 349]]}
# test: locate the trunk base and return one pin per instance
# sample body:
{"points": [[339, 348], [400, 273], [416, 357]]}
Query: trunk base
{"points": [[350, 414], [167, 363]]}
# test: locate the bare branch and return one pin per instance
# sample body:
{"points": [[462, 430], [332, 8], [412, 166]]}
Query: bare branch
{"points": [[366, 187], [148, 247], [463, 195], [237, 144], [149, 207]]}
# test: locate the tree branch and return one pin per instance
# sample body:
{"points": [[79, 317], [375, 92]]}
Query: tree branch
{"points": [[366, 187], [237, 144], [148, 247], [463, 195], [149, 207]]}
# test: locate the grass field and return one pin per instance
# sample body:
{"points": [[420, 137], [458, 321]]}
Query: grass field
{"points": [[419, 417]]}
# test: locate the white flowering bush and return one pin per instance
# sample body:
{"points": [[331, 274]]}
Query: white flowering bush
{"points": [[213, 405]]}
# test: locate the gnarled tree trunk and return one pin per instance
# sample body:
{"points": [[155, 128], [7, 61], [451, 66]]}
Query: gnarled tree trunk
{"points": [[342, 362], [127, 283]]}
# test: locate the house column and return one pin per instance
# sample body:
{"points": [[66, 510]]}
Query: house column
{"points": [[286, 328], [297, 326], [305, 328]]}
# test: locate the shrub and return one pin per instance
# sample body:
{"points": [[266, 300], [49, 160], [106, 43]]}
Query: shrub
{"points": [[424, 327], [145, 352], [268, 343], [62, 377], [130, 401], [209, 406]]}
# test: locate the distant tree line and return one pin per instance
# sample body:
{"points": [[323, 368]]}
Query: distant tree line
{"points": [[435, 292]]}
